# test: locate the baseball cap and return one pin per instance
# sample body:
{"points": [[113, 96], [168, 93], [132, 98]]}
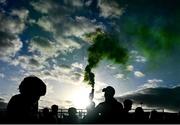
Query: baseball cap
{"points": [[109, 90]]}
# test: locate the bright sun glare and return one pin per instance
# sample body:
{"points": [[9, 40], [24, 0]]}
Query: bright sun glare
{"points": [[81, 98]]}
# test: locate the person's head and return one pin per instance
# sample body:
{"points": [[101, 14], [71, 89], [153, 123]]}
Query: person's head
{"points": [[139, 111], [127, 104], [153, 114], [139, 114], [54, 108], [32, 87], [109, 92], [45, 111], [72, 111]]}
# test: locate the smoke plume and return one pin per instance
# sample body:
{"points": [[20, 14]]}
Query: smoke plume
{"points": [[104, 46]]}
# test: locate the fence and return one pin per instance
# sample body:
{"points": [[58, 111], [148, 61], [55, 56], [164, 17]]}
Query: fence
{"points": [[61, 112], [82, 112]]}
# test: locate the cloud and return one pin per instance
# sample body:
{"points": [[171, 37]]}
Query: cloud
{"points": [[74, 3], [119, 76], [44, 50], [43, 6], [67, 27], [130, 68], [137, 57], [64, 73], [59, 18], [22, 14], [43, 47], [77, 65], [110, 9], [46, 24], [2, 1], [11, 27], [152, 83], [28, 63], [9, 45], [167, 98], [140, 59], [138, 74], [111, 67], [2, 75], [154, 80]]}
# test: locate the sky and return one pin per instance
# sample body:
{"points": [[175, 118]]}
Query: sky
{"points": [[48, 38]]}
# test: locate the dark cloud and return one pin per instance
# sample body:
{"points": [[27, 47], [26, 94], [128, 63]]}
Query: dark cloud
{"points": [[41, 42], [68, 101], [33, 62], [9, 44], [5, 39], [167, 98]]}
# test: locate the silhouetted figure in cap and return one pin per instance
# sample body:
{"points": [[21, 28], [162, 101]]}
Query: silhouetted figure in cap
{"points": [[72, 118], [23, 107], [110, 110], [127, 117]]}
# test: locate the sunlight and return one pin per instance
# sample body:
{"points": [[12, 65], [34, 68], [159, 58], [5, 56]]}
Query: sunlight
{"points": [[81, 98]]}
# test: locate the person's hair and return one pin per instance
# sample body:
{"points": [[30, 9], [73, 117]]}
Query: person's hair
{"points": [[32, 85], [72, 111], [127, 102], [54, 107]]}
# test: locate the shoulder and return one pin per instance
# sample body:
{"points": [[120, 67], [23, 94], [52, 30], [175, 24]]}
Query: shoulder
{"points": [[119, 103], [15, 99], [100, 105]]}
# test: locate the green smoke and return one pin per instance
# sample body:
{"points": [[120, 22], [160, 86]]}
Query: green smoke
{"points": [[104, 46], [157, 40]]}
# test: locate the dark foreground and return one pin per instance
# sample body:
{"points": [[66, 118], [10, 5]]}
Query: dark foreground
{"points": [[81, 117]]}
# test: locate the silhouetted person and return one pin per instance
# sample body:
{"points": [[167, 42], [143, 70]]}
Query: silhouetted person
{"points": [[72, 118], [110, 110], [90, 116], [54, 114], [91, 107], [154, 117], [45, 118], [139, 115], [178, 117], [127, 117], [23, 107]]}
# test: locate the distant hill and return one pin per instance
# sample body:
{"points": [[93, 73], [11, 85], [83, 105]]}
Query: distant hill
{"points": [[167, 98]]}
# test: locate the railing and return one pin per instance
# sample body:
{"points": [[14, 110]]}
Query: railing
{"points": [[61, 112], [82, 112]]}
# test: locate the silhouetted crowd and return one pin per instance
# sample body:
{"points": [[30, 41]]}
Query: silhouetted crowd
{"points": [[23, 108]]}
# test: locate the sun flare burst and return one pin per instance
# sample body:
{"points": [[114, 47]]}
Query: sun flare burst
{"points": [[80, 99]]}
